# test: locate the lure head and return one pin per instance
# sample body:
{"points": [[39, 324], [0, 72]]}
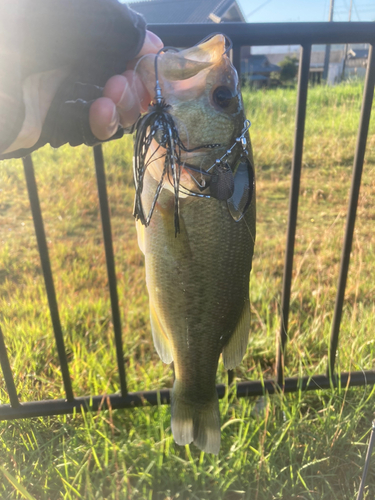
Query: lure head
{"points": [[201, 87]]}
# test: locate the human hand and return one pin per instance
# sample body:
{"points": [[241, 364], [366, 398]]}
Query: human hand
{"points": [[124, 97]]}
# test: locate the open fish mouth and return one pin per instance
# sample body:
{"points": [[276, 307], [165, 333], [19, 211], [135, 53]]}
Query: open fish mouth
{"points": [[199, 160], [193, 178], [192, 164]]}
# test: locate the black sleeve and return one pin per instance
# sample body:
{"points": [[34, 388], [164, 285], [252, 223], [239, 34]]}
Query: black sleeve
{"points": [[97, 37], [93, 38], [11, 99]]}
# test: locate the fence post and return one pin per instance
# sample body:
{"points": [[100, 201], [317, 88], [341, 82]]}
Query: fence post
{"points": [[359, 157], [303, 80]]}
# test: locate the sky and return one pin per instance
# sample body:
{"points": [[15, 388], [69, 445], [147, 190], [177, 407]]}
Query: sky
{"points": [[261, 11], [272, 11]]}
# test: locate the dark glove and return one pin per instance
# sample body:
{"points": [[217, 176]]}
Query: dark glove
{"points": [[93, 38], [67, 120]]}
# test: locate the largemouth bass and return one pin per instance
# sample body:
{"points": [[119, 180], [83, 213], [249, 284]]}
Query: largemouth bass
{"points": [[198, 279]]}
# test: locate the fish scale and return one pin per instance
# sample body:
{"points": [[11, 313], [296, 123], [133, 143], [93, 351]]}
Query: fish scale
{"points": [[199, 292]]}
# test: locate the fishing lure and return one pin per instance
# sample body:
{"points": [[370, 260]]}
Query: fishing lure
{"points": [[220, 179]]}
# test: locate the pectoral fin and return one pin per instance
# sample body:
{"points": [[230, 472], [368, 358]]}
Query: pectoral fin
{"points": [[141, 235], [161, 341], [243, 189], [235, 350]]}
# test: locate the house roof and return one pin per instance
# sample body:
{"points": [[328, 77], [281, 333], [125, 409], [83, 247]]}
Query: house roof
{"points": [[189, 11], [259, 64]]}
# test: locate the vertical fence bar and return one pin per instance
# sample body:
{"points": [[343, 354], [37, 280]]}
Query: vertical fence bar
{"points": [[112, 282], [236, 59], [368, 95], [367, 462], [47, 273], [8, 376], [303, 79]]}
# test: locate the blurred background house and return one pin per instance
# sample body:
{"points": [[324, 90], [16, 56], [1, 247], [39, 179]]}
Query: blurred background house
{"points": [[260, 66], [257, 70], [316, 62], [356, 62], [344, 62], [190, 11]]}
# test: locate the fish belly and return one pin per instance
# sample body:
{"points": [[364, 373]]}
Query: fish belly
{"points": [[198, 284]]}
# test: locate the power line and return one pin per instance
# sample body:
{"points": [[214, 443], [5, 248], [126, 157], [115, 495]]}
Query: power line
{"points": [[328, 47], [258, 8], [356, 11]]}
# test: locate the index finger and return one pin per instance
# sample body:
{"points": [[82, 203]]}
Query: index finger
{"points": [[151, 45]]}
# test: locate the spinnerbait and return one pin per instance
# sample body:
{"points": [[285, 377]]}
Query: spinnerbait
{"points": [[158, 124]]}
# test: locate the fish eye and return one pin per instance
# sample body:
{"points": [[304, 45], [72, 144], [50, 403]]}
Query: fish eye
{"points": [[222, 96]]}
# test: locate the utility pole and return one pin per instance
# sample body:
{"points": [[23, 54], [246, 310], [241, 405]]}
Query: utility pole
{"points": [[346, 45], [328, 47]]}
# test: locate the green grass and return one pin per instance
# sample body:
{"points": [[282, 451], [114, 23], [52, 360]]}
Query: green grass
{"points": [[303, 445]]}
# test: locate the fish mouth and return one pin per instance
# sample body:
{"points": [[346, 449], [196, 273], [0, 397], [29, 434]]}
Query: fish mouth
{"points": [[202, 155], [202, 148], [194, 165], [201, 170], [194, 177]]}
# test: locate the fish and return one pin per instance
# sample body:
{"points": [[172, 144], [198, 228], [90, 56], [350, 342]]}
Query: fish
{"points": [[198, 277]]}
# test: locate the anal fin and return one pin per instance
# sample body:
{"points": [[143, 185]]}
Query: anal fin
{"points": [[235, 350], [161, 341]]}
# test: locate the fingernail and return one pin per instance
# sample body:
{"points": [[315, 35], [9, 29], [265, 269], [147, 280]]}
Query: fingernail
{"points": [[127, 99], [154, 40], [114, 123]]}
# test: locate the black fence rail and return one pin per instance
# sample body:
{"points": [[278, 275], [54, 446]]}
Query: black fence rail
{"points": [[303, 34]]}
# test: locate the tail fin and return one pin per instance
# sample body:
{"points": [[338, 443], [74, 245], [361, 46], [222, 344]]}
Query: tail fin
{"points": [[200, 424]]}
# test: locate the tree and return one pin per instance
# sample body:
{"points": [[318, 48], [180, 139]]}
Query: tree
{"points": [[289, 68]]}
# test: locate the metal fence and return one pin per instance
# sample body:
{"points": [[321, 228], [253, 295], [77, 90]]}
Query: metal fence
{"points": [[303, 34]]}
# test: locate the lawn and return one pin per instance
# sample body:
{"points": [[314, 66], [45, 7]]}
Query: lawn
{"points": [[303, 445]]}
